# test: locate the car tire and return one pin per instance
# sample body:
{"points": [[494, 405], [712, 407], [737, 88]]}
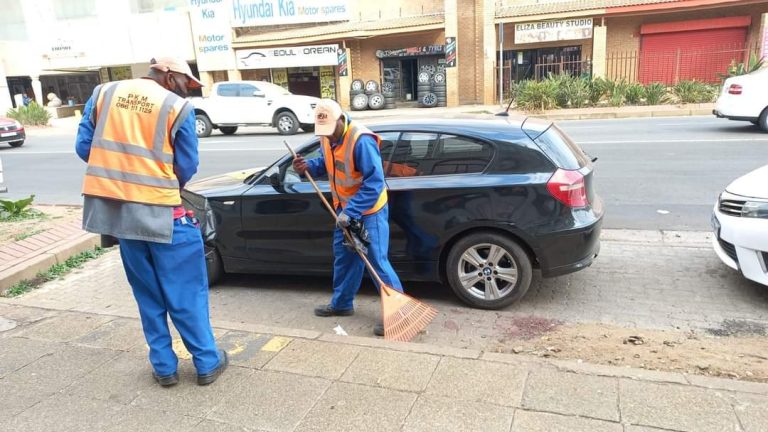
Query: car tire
{"points": [[439, 79], [286, 123], [376, 101], [428, 100], [213, 265], [228, 130], [357, 86], [371, 87], [203, 126], [424, 77], [387, 87], [763, 120], [359, 102], [308, 127], [16, 143], [463, 260]]}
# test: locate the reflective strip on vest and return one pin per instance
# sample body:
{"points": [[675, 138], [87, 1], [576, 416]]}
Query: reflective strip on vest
{"points": [[141, 169], [343, 176]]}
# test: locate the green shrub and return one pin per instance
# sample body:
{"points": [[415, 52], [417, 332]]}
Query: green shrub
{"points": [[537, 95], [16, 210], [635, 94], [32, 114], [694, 92], [736, 69], [597, 89], [573, 92], [616, 91], [655, 93]]}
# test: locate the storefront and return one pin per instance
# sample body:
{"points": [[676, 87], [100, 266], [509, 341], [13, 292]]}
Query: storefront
{"points": [[401, 67], [537, 49], [304, 70]]}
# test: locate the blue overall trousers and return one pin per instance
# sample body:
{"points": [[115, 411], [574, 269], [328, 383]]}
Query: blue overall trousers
{"points": [[348, 266], [171, 280]]}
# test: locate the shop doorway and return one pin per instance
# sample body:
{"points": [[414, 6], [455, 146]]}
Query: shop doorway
{"points": [[409, 76], [304, 82], [403, 73]]}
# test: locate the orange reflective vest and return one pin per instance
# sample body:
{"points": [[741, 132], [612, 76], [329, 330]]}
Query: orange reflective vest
{"points": [[131, 155], [344, 178]]}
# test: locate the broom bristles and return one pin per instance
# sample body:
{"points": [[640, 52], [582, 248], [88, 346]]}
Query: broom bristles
{"points": [[404, 316]]}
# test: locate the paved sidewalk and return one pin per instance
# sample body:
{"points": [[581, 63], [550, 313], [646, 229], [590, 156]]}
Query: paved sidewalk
{"points": [[73, 371], [23, 259]]}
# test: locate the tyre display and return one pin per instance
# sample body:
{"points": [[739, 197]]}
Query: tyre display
{"points": [[359, 102]]}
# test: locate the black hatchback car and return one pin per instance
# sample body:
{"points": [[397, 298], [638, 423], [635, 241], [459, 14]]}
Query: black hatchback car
{"points": [[476, 204]]}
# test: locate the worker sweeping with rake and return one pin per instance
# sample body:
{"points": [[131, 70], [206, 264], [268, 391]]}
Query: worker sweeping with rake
{"points": [[351, 158]]}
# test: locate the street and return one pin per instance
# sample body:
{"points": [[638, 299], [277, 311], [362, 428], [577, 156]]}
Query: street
{"points": [[652, 173]]}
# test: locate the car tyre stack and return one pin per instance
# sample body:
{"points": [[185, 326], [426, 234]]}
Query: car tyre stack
{"points": [[388, 90], [424, 87], [358, 98], [439, 88]]}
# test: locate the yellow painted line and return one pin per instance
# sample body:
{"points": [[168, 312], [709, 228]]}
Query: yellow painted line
{"points": [[237, 349], [276, 344]]}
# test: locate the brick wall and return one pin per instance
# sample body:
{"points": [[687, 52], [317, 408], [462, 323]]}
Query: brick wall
{"points": [[468, 46]]}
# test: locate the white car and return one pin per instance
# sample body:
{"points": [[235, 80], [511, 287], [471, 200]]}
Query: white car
{"points": [[253, 103], [745, 98], [740, 222]]}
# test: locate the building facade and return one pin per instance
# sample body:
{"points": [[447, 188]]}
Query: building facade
{"points": [[318, 47]]}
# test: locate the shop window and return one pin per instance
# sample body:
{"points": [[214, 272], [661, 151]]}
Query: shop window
{"points": [[12, 24], [146, 6], [65, 9]]}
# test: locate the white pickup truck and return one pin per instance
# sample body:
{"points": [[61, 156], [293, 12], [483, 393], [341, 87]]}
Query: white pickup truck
{"points": [[253, 103]]}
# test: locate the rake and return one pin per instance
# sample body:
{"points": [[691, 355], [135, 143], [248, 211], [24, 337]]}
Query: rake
{"points": [[404, 317]]}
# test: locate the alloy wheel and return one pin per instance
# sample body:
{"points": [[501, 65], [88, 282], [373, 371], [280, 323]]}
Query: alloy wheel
{"points": [[487, 271]]}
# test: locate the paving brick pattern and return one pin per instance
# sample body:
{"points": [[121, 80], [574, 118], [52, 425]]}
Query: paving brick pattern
{"points": [[65, 372]]}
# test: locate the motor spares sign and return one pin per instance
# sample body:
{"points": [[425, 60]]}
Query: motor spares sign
{"points": [[252, 13], [212, 34], [268, 58], [550, 31]]}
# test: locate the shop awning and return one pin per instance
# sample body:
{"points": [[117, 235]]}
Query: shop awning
{"points": [[347, 30]]}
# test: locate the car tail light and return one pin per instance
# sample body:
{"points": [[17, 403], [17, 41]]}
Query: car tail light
{"points": [[734, 89], [569, 188]]}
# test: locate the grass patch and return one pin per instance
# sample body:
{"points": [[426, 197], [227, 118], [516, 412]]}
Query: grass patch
{"points": [[27, 235], [54, 272], [23, 216]]}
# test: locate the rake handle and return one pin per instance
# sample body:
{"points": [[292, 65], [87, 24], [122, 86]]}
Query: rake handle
{"points": [[346, 233]]}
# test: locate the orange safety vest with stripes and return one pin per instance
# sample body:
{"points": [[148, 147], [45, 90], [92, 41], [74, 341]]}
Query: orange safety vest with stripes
{"points": [[344, 178], [131, 156]]}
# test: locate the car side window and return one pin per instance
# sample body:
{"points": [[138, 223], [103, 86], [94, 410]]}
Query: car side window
{"points": [[246, 90], [387, 147], [412, 155], [228, 90], [291, 176], [461, 155]]}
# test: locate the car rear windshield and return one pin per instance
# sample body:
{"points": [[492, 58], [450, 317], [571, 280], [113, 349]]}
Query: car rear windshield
{"points": [[565, 153]]}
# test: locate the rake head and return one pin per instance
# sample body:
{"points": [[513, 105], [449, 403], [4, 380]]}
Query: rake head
{"points": [[404, 316]]}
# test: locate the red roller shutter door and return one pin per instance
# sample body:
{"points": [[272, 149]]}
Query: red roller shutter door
{"points": [[687, 55]]}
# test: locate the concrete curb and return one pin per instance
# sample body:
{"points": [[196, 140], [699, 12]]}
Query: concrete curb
{"points": [[59, 253]]}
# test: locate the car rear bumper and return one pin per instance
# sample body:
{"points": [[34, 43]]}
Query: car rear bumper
{"points": [[742, 244], [13, 136], [567, 252], [719, 114]]}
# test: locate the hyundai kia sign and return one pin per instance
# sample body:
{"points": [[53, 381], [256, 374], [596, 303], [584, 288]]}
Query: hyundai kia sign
{"points": [[252, 13], [308, 55]]}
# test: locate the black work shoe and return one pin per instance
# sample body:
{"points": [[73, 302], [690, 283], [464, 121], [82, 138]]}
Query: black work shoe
{"points": [[168, 380], [211, 376], [328, 310], [378, 328]]}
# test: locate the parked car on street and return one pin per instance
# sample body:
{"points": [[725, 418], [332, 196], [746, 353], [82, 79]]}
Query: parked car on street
{"points": [[740, 222], [11, 132], [745, 98], [253, 103], [475, 203]]}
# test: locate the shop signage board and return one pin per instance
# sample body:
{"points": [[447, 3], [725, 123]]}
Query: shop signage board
{"points": [[412, 51], [450, 52], [267, 58], [212, 34], [551, 31], [327, 82], [252, 13]]}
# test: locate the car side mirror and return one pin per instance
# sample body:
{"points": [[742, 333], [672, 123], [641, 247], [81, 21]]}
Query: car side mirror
{"points": [[258, 93], [276, 182]]}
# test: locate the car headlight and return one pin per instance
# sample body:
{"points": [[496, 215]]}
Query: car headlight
{"points": [[755, 209], [17, 124]]}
